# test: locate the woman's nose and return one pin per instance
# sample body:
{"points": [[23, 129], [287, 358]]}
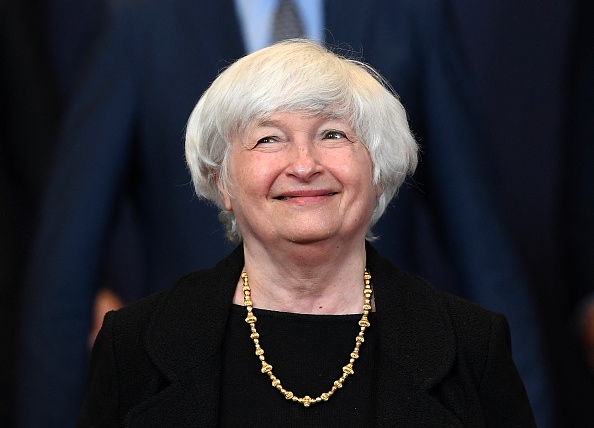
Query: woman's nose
{"points": [[305, 164]]}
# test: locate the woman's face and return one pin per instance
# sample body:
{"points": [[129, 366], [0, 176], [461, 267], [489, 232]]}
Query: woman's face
{"points": [[300, 178]]}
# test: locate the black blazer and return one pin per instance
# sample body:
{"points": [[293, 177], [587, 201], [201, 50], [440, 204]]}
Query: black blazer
{"points": [[443, 361]]}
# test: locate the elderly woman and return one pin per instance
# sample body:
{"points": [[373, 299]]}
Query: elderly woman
{"points": [[304, 323]]}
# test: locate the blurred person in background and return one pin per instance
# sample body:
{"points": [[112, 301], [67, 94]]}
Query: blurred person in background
{"points": [[29, 107], [574, 333]]}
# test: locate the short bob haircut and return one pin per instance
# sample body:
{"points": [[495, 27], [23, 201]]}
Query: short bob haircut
{"points": [[298, 76]]}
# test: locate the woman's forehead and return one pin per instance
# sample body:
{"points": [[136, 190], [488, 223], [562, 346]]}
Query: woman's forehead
{"points": [[272, 118]]}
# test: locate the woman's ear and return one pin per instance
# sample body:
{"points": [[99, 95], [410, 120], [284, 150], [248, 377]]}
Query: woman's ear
{"points": [[225, 196]]}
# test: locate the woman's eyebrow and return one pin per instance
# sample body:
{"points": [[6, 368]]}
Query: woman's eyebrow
{"points": [[268, 122]]}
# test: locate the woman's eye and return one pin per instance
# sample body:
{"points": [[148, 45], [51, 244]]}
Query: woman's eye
{"points": [[266, 140], [333, 134]]}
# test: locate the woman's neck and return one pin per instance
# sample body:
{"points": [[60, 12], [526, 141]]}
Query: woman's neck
{"points": [[315, 278]]}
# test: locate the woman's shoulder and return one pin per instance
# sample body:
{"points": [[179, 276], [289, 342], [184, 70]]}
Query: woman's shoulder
{"points": [[459, 307], [205, 289], [418, 289], [476, 331], [148, 304], [474, 324], [136, 316], [467, 322]]}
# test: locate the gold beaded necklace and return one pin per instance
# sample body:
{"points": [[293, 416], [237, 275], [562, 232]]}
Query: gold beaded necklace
{"points": [[267, 368]]}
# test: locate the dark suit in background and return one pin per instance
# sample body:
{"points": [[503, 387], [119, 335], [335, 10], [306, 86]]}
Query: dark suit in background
{"points": [[123, 141], [538, 117], [28, 118], [577, 226]]}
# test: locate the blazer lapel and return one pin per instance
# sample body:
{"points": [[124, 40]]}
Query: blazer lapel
{"points": [[184, 341], [417, 348]]}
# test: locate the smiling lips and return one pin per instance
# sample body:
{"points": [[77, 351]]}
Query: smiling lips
{"points": [[306, 194]]}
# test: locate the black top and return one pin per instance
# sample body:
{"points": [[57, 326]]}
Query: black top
{"points": [[307, 353]]}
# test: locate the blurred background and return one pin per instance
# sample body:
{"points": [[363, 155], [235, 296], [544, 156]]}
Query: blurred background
{"points": [[532, 67]]}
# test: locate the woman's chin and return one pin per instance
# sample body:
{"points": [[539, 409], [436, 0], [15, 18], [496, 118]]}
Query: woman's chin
{"points": [[317, 235], [305, 235]]}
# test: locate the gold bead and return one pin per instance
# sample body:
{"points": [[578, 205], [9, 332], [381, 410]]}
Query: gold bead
{"points": [[266, 367], [325, 396], [254, 335], [288, 395], [355, 354], [251, 319], [306, 401]]}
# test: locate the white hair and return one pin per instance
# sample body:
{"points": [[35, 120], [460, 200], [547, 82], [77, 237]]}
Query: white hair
{"points": [[298, 76]]}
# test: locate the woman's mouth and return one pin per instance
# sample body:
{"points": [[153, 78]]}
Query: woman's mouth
{"points": [[286, 198]]}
